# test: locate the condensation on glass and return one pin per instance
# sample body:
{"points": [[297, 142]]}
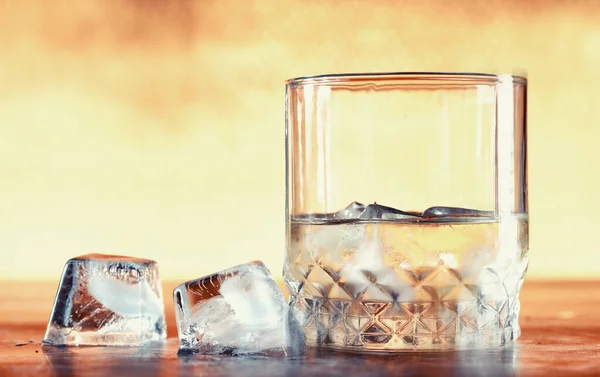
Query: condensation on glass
{"points": [[406, 209]]}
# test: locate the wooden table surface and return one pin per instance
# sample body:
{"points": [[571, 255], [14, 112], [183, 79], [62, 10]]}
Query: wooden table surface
{"points": [[560, 323]]}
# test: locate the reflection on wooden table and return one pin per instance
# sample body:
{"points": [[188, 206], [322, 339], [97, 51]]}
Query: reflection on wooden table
{"points": [[561, 334]]}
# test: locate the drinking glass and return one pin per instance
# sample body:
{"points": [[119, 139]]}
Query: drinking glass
{"points": [[406, 209]]}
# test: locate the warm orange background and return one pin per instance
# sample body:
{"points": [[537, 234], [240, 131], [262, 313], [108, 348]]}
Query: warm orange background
{"points": [[155, 128]]}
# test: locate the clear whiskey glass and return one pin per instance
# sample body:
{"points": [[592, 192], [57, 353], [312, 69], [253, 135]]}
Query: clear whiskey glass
{"points": [[406, 209]]}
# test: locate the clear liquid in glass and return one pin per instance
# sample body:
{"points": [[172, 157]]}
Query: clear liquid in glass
{"points": [[393, 285]]}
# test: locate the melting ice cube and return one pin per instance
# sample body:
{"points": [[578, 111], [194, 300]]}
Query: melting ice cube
{"points": [[240, 310], [454, 212], [377, 211], [353, 211], [107, 300]]}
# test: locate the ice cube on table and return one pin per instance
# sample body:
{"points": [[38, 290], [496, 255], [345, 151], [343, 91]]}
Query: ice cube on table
{"points": [[107, 300], [377, 211], [238, 311], [454, 212]]}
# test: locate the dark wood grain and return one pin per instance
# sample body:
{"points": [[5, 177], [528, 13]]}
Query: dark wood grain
{"points": [[560, 322]]}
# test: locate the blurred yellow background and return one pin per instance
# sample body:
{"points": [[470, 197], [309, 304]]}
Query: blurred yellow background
{"points": [[155, 128]]}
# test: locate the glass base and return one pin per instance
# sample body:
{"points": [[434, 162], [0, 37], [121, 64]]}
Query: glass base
{"points": [[382, 327]]}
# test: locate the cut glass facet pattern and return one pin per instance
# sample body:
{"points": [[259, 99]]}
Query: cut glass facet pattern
{"points": [[240, 310], [455, 315]]}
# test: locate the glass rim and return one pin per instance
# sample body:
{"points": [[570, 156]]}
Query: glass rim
{"points": [[465, 78]]}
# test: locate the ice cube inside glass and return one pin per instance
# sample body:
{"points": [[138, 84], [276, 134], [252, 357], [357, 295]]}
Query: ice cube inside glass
{"points": [[107, 300], [236, 311], [406, 207]]}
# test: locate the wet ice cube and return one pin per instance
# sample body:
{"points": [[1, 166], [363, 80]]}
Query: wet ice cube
{"points": [[240, 310], [454, 212], [107, 300], [353, 211], [377, 211]]}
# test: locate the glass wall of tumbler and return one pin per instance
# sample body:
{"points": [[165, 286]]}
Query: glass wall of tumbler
{"points": [[406, 209]]}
